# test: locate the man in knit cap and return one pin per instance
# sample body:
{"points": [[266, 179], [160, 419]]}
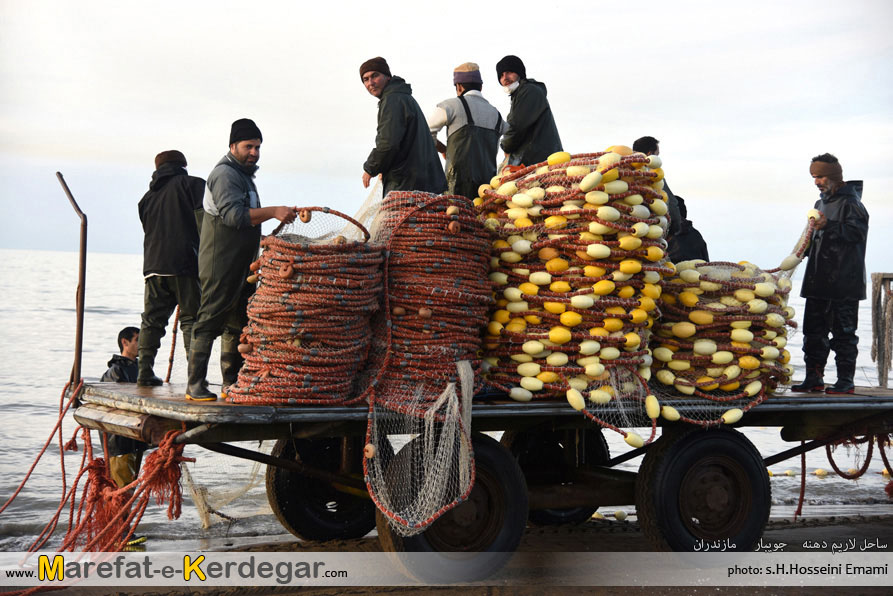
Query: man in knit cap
{"points": [[230, 240], [532, 135], [169, 213], [473, 130], [834, 281], [404, 153]]}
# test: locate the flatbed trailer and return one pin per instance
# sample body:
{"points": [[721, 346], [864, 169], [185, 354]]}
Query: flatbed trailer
{"points": [[552, 466]]}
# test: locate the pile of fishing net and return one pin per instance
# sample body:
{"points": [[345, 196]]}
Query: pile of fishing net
{"points": [[426, 355], [308, 332], [722, 337], [578, 259]]}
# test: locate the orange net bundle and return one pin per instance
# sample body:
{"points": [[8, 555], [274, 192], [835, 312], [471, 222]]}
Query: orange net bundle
{"points": [[578, 258], [308, 333], [426, 356]]}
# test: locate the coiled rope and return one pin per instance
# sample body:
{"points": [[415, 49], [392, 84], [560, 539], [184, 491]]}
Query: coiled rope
{"points": [[426, 357], [308, 332]]}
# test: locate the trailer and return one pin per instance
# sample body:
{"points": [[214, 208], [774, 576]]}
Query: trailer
{"points": [[552, 465]]}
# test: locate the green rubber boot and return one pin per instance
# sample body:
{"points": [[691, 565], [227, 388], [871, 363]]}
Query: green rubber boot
{"points": [[197, 386]]}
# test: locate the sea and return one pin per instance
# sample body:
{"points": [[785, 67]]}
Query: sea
{"points": [[38, 319]]}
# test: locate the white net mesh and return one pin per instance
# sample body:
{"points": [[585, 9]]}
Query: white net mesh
{"points": [[425, 356]]}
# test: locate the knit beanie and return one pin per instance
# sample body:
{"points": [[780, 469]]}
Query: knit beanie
{"points": [[173, 156], [244, 129], [377, 64], [467, 73], [511, 64], [831, 171]]}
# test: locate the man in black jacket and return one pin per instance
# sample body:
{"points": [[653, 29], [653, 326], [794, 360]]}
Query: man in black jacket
{"points": [[532, 135], [404, 152], [169, 213], [687, 244], [835, 278], [651, 146], [124, 454]]}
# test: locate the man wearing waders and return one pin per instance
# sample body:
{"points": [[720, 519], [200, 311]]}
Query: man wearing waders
{"points": [[230, 239], [473, 130], [404, 154], [532, 135], [170, 213], [835, 279]]}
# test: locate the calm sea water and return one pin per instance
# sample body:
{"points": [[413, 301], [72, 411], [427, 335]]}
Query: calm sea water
{"points": [[37, 316]]}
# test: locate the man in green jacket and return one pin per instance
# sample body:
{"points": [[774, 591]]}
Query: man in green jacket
{"points": [[404, 152], [532, 136], [230, 239]]}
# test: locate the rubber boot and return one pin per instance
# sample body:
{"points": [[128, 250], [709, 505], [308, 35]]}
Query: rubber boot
{"points": [[814, 380], [197, 386], [230, 364], [846, 371], [146, 375]]}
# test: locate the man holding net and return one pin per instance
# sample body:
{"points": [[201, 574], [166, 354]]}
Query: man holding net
{"points": [[835, 279], [230, 239]]}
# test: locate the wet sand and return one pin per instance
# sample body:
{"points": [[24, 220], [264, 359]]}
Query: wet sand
{"points": [[594, 536]]}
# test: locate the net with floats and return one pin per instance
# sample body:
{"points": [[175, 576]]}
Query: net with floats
{"points": [[721, 340], [308, 332], [425, 356], [578, 258]]}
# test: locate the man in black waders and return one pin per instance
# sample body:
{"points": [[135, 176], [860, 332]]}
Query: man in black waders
{"points": [[230, 239], [532, 135], [404, 153], [170, 213], [473, 130], [835, 278]]}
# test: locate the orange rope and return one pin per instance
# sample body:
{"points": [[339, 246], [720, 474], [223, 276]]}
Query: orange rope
{"points": [[170, 360]]}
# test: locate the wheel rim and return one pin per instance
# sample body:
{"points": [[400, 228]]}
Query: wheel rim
{"points": [[714, 498], [473, 525]]}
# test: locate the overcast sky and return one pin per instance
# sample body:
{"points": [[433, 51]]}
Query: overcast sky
{"points": [[740, 94]]}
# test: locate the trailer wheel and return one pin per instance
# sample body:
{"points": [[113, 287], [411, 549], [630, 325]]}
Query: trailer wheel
{"points": [[542, 457], [476, 538], [313, 509], [703, 485]]}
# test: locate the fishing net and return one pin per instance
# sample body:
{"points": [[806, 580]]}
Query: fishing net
{"points": [[721, 340], [578, 257], [722, 337], [425, 356], [308, 331]]}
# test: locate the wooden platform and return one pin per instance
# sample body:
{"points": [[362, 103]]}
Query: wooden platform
{"points": [[490, 412]]}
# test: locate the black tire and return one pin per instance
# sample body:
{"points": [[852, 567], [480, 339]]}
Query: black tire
{"points": [[541, 456], [703, 485], [313, 509], [476, 538]]}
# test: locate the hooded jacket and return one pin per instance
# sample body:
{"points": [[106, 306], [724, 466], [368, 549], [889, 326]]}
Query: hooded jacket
{"points": [[404, 152], [836, 266], [121, 370], [532, 136], [168, 215]]}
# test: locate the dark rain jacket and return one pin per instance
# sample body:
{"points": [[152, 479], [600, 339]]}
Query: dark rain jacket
{"points": [[404, 152], [836, 266], [168, 215], [121, 370], [532, 136], [687, 244], [471, 151]]}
